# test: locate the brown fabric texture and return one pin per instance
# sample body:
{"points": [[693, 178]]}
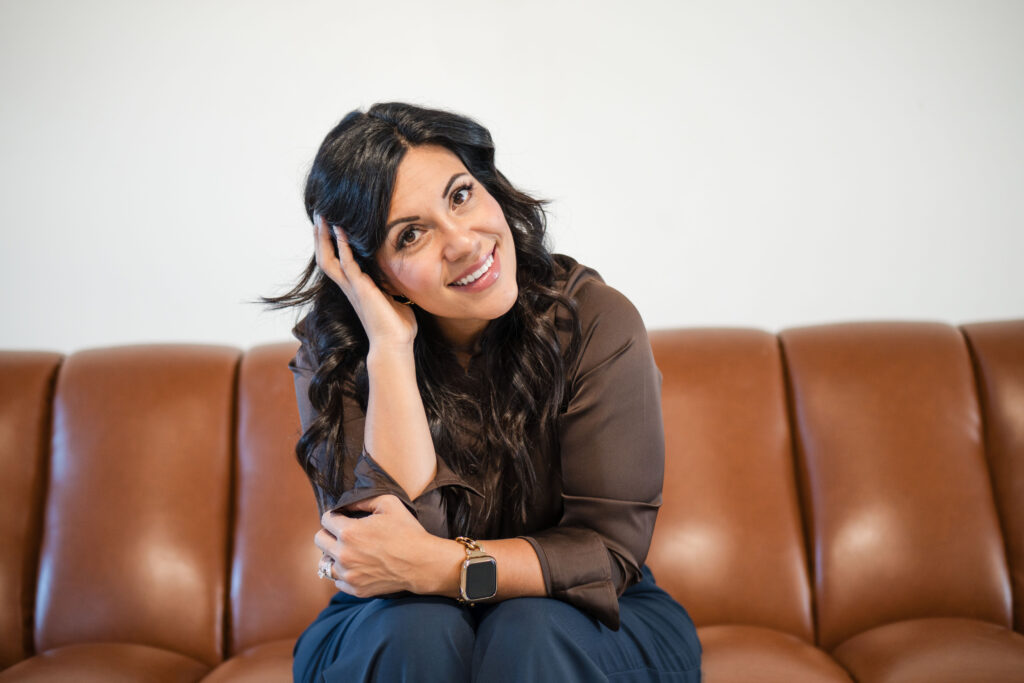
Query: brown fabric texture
{"points": [[599, 490]]}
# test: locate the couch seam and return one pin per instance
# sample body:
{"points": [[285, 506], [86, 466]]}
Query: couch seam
{"points": [[34, 559], [800, 482], [232, 512], [979, 385]]}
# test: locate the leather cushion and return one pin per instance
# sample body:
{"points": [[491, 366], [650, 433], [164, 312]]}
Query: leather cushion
{"points": [[107, 663], [944, 650], [749, 654]]}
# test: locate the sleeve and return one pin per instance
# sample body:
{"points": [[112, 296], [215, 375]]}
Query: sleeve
{"points": [[612, 458], [362, 476]]}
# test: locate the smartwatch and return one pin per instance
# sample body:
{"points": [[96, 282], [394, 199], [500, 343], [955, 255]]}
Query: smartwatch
{"points": [[479, 579]]}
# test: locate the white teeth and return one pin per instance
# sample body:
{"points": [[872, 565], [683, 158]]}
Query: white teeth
{"points": [[475, 275]]}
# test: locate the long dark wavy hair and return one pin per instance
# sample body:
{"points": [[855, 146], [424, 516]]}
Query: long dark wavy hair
{"points": [[485, 423]]}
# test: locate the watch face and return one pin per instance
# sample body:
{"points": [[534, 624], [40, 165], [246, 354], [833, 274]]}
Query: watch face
{"points": [[481, 578]]}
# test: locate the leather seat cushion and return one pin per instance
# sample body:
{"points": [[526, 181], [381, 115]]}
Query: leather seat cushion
{"points": [[934, 650], [107, 663], [762, 655], [267, 663]]}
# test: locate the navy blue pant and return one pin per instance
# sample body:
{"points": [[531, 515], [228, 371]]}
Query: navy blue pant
{"points": [[422, 639]]}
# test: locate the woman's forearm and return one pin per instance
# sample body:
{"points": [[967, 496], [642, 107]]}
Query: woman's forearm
{"points": [[519, 572], [389, 551], [398, 438], [396, 431]]}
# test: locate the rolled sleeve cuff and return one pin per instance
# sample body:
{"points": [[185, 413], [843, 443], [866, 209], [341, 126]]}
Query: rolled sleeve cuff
{"points": [[577, 569], [371, 480]]}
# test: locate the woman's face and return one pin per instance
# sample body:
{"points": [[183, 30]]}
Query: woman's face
{"points": [[448, 247]]}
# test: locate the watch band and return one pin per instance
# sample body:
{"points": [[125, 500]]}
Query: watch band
{"points": [[478, 579], [472, 547]]}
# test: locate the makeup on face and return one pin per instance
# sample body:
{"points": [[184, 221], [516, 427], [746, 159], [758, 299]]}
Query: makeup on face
{"points": [[449, 247], [481, 276]]}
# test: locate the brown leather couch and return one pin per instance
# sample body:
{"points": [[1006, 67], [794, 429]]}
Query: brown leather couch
{"points": [[841, 501]]}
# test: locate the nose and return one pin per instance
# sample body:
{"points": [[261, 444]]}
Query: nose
{"points": [[461, 242]]}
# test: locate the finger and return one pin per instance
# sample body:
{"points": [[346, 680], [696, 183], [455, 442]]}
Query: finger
{"points": [[349, 265], [365, 505], [346, 259], [326, 542], [322, 241], [389, 503], [359, 589], [318, 249], [336, 522], [323, 248]]}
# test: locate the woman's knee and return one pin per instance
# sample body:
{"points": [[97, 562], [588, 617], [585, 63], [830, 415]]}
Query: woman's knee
{"points": [[420, 626], [406, 639], [534, 619], [536, 639]]}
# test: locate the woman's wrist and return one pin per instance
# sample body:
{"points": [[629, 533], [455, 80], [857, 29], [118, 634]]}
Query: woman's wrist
{"points": [[440, 574], [519, 570], [388, 352]]}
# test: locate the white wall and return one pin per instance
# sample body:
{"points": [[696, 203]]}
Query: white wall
{"points": [[722, 163]]}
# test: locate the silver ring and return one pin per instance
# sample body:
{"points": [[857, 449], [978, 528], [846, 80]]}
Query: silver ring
{"points": [[324, 570]]}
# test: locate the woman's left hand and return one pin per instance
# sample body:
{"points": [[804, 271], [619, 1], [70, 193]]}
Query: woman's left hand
{"points": [[384, 552]]}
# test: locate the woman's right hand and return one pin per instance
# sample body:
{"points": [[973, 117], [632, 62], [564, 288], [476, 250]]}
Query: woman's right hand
{"points": [[388, 324]]}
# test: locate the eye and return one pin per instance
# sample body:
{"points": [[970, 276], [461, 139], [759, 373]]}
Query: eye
{"points": [[407, 237], [462, 194]]}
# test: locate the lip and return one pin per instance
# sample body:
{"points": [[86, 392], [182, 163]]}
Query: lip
{"points": [[485, 280]]}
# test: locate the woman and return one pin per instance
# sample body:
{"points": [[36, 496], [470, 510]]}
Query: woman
{"points": [[457, 381]]}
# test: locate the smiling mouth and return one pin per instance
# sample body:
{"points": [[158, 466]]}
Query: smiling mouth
{"points": [[476, 274]]}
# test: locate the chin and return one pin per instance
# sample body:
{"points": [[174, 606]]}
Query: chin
{"points": [[502, 300], [512, 296]]}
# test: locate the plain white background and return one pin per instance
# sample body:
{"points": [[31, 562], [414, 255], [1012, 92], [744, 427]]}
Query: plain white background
{"points": [[764, 164]]}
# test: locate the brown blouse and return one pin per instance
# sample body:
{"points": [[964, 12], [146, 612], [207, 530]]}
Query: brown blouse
{"points": [[591, 519]]}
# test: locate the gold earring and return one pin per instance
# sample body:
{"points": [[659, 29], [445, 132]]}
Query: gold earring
{"points": [[403, 300]]}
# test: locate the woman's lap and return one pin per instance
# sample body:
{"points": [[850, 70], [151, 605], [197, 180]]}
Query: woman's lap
{"points": [[537, 639], [387, 640]]}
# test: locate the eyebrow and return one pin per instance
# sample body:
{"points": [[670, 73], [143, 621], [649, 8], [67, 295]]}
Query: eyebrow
{"points": [[444, 195], [395, 222]]}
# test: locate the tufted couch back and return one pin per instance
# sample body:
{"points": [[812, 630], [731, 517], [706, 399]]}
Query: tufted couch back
{"points": [[825, 488]]}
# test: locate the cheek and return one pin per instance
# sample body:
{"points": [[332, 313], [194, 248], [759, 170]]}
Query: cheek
{"points": [[411, 276]]}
